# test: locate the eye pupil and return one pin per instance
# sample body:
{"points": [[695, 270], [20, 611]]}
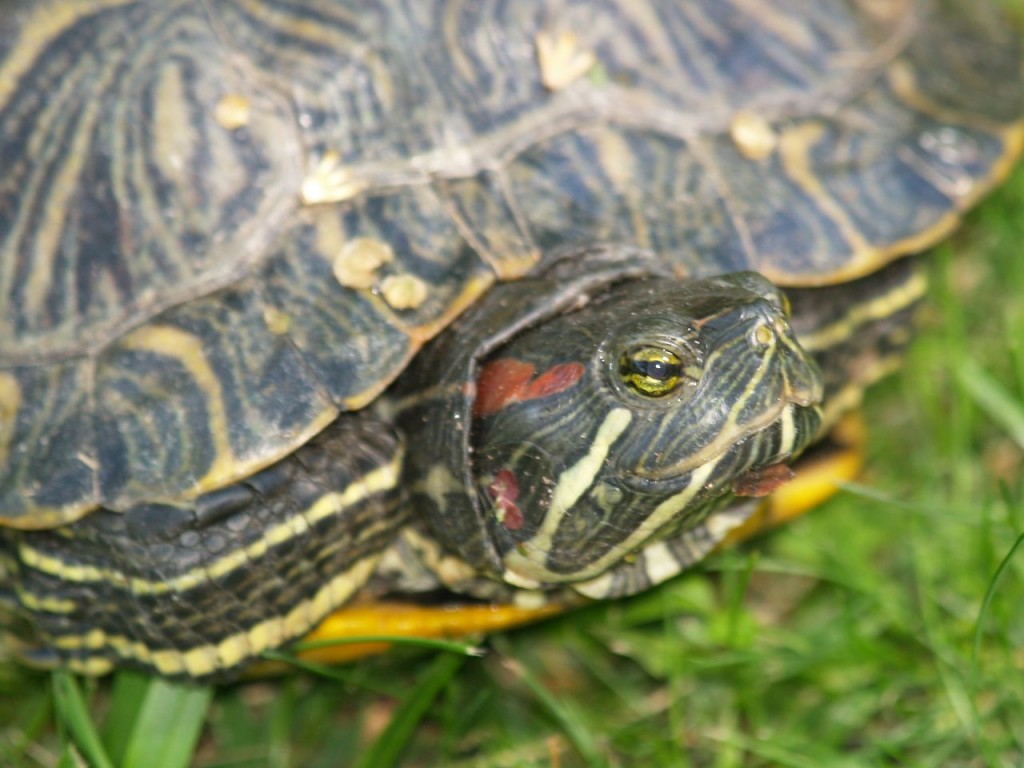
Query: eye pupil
{"points": [[651, 371]]}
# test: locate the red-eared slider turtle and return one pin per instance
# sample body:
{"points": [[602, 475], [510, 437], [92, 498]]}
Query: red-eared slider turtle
{"points": [[228, 229]]}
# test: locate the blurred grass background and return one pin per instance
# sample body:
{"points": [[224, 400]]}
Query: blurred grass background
{"points": [[883, 629]]}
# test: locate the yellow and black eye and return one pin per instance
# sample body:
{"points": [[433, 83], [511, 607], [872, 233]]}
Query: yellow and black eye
{"points": [[651, 371]]}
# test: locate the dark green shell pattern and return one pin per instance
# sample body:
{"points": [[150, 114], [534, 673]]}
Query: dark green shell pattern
{"points": [[197, 174]]}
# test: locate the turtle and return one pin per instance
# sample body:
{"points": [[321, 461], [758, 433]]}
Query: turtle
{"points": [[314, 303]]}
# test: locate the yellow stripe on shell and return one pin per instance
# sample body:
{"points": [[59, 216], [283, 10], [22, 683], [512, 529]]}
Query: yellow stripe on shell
{"points": [[903, 81], [311, 30], [795, 151], [618, 161], [38, 30], [871, 257], [174, 138], [226, 468], [53, 189], [188, 349]]}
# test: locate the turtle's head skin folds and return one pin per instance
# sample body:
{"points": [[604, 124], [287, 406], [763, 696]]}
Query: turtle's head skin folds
{"points": [[627, 421]]}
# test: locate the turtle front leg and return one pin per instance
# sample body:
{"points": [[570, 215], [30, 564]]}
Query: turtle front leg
{"points": [[199, 589]]}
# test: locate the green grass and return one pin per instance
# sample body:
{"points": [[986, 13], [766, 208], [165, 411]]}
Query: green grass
{"points": [[883, 630]]}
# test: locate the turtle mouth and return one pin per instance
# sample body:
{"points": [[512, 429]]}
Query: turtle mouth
{"points": [[806, 393], [670, 502], [777, 435]]}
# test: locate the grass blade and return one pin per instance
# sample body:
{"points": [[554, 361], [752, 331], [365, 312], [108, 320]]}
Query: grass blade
{"points": [[74, 714], [392, 741], [566, 716], [126, 697], [991, 396], [167, 726], [427, 643], [993, 583]]}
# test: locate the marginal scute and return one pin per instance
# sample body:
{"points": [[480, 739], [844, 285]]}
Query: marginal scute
{"points": [[956, 150], [796, 146], [48, 477], [188, 352], [491, 219]]}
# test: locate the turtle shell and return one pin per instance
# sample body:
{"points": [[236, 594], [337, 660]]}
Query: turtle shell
{"points": [[221, 224]]}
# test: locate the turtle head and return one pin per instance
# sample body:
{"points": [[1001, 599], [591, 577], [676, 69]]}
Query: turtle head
{"points": [[627, 421]]}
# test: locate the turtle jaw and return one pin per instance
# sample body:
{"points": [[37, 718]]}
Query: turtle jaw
{"points": [[649, 511]]}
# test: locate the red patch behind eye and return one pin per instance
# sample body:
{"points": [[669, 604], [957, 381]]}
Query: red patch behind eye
{"points": [[507, 380]]}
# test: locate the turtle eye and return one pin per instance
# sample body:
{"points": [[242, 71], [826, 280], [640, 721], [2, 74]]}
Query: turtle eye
{"points": [[651, 371]]}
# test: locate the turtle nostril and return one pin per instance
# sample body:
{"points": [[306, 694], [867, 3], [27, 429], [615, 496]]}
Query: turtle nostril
{"points": [[762, 336]]}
